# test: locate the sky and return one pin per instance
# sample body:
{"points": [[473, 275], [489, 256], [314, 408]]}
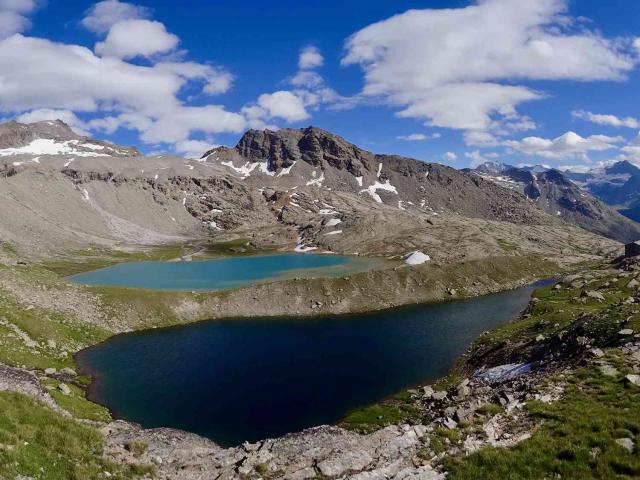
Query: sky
{"points": [[553, 82]]}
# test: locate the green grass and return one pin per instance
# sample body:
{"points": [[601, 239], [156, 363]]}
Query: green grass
{"points": [[506, 246], [576, 440], [54, 336], [76, 403], [95, 258], [374, 417], [39, 443]]}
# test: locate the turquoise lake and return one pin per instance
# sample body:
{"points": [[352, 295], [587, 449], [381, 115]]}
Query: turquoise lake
{"points": [[230, 272], [249, 379]]}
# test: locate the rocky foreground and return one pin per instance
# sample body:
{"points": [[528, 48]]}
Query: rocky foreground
{"points": [[559, 386]]}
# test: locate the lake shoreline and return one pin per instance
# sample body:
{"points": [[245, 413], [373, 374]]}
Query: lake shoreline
{"points": [[95, 390]]}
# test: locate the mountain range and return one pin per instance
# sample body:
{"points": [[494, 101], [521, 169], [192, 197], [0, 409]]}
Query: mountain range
{"points": [[605, 201], [304, 189]]}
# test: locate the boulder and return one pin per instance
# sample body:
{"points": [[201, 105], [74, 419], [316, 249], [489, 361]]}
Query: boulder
{"points": [[50, 371], [592, 294], [608, 370], [633, 379], [64, 388], [440, 395], [626, 443]]}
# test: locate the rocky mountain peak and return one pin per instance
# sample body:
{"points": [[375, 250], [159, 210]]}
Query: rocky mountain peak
{"points": [[15, 134], [312, 145], [623, 168]]}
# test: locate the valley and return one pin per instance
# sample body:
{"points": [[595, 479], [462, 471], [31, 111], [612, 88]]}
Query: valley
{"points": [[426, 232]]}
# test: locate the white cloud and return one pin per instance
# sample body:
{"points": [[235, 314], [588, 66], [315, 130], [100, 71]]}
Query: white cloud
{"points": [[67, 116], [103, 15], [631, 152], [283, 104], [610, 120], [310, 57], [476, 158], [450, 156], [567, 146], [456, 68], [13, 16], [132, 38], [39, 74], [479, 138], [193, 148], [416, 137], [306, 78], [216, 79]]}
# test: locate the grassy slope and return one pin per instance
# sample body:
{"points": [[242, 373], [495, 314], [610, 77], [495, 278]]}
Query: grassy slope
{"points": [[578, 433], [577, 438], [40, 443]]}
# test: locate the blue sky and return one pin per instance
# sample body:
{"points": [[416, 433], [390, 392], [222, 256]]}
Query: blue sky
{"points": [[519, 81]]}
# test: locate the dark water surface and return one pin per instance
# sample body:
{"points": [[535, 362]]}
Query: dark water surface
{"points": [[237, 380], [221, 273]]}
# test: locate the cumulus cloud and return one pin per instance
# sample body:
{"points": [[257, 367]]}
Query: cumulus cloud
{"points": [[67, 116], [132, 38], [103, 15], [310, 57], [456, 68], [480, 138], [477, 159], [13, 16], [450, 156], [283, 104], [140, 98], [417, 137], [567, 146], [193, 148], [609, 120], [216, 79]]}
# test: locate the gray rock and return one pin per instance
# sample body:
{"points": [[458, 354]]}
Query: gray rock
{"points": [[427, 392], [625, 332], [440, 395], [593, 294], [450, 423], [626, 443], [50, 371], [608, 370], [64, 388], [596, 352], [633, 379], [346, 462], [69, 371]]}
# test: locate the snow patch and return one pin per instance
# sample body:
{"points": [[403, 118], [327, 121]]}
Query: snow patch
{"points": [[372, 190], [416, 258], [333, 222], [286, 171], [47, 146], [335, 232], [359, 180], [316, 181], [379, 170]]}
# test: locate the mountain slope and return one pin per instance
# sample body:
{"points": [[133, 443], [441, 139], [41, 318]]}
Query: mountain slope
{"points": [[293, 189], [314, 157], [555, 193], [617, 185]]}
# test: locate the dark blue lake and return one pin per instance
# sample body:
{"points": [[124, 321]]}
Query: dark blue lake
{"points": [[238, 380], [221, 273]]}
